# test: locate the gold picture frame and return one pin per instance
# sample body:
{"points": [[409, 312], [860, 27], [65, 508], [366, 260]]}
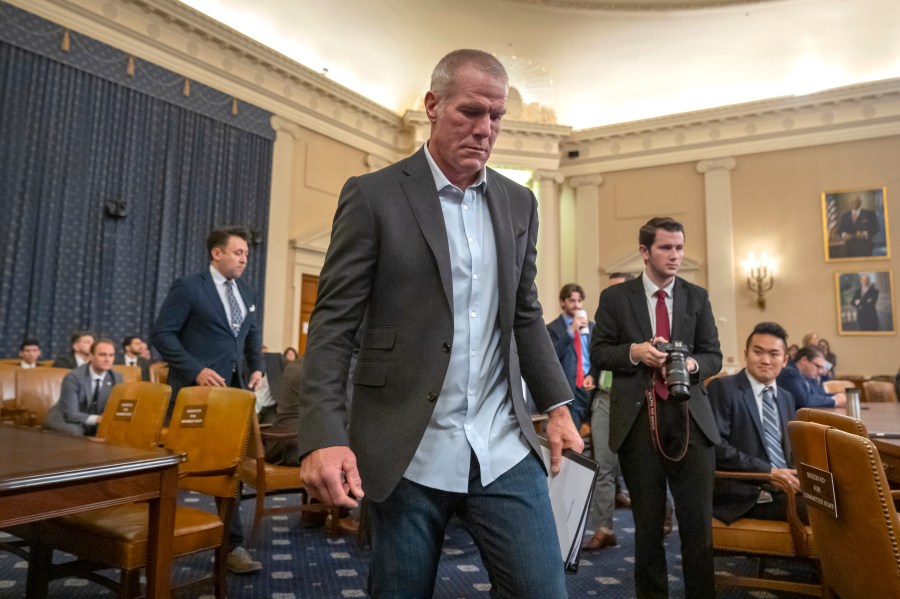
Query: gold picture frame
{"points": [[855, 224], [865, 309]]}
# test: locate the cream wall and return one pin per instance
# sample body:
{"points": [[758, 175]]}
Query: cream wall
{"points": [[778, 208]]}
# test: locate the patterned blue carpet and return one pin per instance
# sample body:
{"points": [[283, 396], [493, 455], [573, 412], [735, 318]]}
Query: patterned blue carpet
{"points": [[305, 563]]}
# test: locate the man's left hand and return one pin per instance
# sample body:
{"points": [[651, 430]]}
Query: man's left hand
{"points": [[562, 434], [255, 378]]}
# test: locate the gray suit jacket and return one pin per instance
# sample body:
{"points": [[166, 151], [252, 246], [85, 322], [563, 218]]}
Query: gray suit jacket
{"points": [[70, 412], [388, 268]]}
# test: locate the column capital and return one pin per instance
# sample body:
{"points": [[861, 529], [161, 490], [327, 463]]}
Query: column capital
{"points": [[282, 125], [716, 164], [586, 181], [375, 162], [542, 175]]}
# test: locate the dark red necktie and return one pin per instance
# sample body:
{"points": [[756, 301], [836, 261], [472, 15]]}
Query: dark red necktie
{"points": [[579, 368], [662, 330]]}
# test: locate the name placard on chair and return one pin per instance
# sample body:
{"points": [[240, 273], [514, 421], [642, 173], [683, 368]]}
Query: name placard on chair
{"points": [[125, 410], [818, 488], [193, 416]]}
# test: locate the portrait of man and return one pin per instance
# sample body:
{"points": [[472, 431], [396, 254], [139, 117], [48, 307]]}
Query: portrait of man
{"points": [[865, 302], [855, 224]]}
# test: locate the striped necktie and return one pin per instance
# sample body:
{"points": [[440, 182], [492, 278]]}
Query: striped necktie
{"points": [[237, 317], [772, 429]]}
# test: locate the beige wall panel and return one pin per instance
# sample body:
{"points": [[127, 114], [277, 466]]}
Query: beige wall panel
{"points": [[778, 209], [630, 198]]}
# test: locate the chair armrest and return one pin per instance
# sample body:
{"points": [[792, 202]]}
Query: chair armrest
{"points": [[226, 470], [275, 435], [797, 528]]}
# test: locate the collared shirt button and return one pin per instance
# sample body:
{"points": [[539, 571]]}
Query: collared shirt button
{"points": [[465, 206], [475, 277], [473, 315]]}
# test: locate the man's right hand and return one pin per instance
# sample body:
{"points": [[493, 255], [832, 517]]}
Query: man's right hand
{"points": [[330, 475], [789, 475], [647, 353], [840, 399], [210, 378]]}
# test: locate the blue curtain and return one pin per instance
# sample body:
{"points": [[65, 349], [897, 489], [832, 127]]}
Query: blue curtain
{"points": [[72, 142]]}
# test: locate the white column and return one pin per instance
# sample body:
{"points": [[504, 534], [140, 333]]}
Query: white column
{"points": [[278, 242], [587, 234], [548, 248], [720, 254]]}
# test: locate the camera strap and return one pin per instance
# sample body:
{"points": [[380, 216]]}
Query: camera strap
{"points": [[654, 423]]}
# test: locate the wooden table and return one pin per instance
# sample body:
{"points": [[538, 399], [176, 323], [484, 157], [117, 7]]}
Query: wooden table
{"points": [[43, 475], [883, 418]]}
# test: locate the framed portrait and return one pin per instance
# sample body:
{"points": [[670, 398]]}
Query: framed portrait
{"points": [[865, 302], [855, 223]]}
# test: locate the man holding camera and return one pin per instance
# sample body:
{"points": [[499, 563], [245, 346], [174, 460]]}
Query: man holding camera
{"points": [[662, 427]]}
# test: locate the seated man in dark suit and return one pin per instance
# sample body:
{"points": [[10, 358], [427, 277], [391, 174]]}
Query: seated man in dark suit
{"points": [[85, 392], [30, 353], [285, 451], [132, 348], [752, 413], [801, 379], [81, 342]]}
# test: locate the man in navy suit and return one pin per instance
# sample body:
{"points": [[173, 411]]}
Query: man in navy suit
{"points": [[563, 331], [81, 342], [801, 379], [662, 440], [750, 441], [208, 333], [84, 393]]}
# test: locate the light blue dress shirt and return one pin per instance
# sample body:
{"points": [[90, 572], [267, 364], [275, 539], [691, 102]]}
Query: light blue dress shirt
{"points": [[474, 411]]}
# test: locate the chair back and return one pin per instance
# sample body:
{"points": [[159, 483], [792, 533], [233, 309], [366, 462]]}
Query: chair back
{"points": [[134, 414], [130, 374], [866, 517], [854, 426], [882, 391], [37, 390], [212, 426], [159, 372], [10, 361], [8, 381], [837, 386]]}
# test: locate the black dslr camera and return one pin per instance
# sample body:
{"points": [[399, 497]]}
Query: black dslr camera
{"points": [[678, 380]]}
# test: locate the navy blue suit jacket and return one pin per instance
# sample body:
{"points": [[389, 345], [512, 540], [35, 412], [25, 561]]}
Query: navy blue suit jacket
{"points": [[565, 348], [192, 332], [808, 393], [742, 448]]}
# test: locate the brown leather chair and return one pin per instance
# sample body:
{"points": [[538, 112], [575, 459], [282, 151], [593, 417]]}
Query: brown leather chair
{"points": [[211, 426], [273, 479], [134, 414], [837, 386], [863, 558], [839, 421], [37, 389], [130, 374], [7, 392], [765, 538], [159, 372], [881, 391]]}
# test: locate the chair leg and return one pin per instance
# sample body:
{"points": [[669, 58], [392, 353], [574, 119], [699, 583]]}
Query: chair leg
{"points": [[258, 514], [221, 573], [130, 584], [40, 559]]}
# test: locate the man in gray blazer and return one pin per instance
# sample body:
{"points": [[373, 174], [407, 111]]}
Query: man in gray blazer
{"points": [[84, 393], [631, 318], [435, 258]]}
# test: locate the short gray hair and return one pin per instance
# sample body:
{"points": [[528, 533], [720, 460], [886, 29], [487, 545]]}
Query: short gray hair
{"points": [[443, 78]]}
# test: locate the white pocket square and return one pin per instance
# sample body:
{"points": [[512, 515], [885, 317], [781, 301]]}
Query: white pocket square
{"points": [[253, 308]]}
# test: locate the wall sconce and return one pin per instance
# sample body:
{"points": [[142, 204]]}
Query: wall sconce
{"points": [[760, 277]]}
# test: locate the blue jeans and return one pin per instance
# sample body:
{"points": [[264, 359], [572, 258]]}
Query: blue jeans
{"points": [[510, 521]]}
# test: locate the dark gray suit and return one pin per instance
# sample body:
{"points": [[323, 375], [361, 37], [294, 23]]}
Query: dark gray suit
{"points": [[68, 415], [388, 268], [743, 448], [623, 318]]}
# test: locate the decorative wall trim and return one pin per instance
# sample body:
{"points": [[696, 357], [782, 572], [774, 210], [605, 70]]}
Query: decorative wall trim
{"points": [[850, 113]]}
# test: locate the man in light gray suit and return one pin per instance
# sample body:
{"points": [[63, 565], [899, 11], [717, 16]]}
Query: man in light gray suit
{"points": [[84, 393], [435, 258]]}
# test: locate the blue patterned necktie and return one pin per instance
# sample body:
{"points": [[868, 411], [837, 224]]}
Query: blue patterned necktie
{"points": [[772, 429], [236, 316]]}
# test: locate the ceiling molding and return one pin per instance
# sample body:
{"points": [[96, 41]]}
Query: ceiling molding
{"points": [[639, 5], [850, 113]]}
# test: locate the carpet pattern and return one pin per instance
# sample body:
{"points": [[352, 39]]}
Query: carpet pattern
{"points": [[305, 563]]}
